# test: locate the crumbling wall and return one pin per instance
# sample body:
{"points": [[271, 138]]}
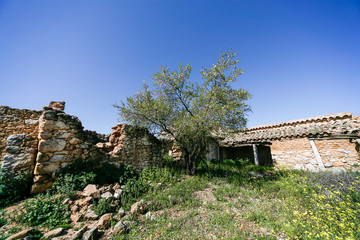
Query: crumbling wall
{"points": [[134, 146], [61, 141], [43, 142], [18, 121]]}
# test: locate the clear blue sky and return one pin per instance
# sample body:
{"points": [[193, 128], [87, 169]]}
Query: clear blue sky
{"points": [[300, 58]]}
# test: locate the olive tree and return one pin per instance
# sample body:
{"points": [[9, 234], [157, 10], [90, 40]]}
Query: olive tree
{"points": [[190, 111]]}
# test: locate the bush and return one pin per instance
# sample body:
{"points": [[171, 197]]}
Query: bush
{"points": [[102, 207], [105, 172], [44, 210], [68, 184], [13, 188]]}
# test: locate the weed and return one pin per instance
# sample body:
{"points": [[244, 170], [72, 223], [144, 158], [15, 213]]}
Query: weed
{"points": [[102, 207], [44, 210], [13, 188]]}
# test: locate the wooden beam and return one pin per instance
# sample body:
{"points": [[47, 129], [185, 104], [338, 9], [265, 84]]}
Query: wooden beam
{"points": [[256, 155], [317, 155]]}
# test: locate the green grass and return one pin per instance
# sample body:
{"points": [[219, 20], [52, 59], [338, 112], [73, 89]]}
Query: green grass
{"points": [[229, 199]]}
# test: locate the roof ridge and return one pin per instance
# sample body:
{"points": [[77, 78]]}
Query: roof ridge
{"points": [[322, 118]]}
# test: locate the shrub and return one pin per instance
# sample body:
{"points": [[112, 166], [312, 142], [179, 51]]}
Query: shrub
{"points": [[102, 207], [44, 210], [13, 188], [68, 184], [168, 160], [105, 172]]}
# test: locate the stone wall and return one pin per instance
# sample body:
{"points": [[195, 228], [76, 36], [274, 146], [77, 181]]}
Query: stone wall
{"points": [[335, 154], [61, 141], [18, 121], [42, 142], [134, 146]]}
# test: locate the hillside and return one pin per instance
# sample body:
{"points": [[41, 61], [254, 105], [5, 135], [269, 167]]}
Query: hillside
{"points": [[230, 199]]}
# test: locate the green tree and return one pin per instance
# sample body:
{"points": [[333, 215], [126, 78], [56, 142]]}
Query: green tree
{"points": [[190, 111]]}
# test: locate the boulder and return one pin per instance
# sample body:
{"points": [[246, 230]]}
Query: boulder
{"points": [[20, 235], [107, 196], [121, 212], [91, 190], [104, 221], [90, 234], [53, 233], [117, 193], [121, 227], [91, 215], [137, 208], [75, 217], [79, 233]]}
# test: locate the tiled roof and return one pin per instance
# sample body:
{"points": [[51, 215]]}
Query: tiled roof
{"points": [[320, 126]]}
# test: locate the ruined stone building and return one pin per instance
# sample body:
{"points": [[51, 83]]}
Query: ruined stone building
{"points": [[316, 143], [40, 143]]}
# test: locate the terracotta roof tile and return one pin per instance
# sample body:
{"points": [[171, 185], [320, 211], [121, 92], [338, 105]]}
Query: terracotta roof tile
{"points": [[320, 126]]}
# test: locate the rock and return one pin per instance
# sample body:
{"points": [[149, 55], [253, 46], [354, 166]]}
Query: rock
{"points": [[121, 212], [79, 233], [75, 217], [150, 215], [59, 158], [310, 167], [83, 202], [20, 235], [104, 221], [91, 215], [107, 196], [121, 227], [90, 234], [42, 157], [53, 233], [15, 140], [57, 105], [116, 186], [46, 168], [337, 169], [299, 167], [12, 149], [91, 190], [117, 193], [137, 208], [40, 187], [66, 201], [74, 141], [17, 161], [52, 145], [338, 164]]}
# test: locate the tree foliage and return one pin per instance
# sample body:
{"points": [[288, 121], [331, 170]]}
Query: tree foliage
{"points": [[190, 111]]}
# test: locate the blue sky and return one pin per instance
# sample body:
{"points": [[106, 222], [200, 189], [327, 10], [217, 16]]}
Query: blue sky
{"points": [[300, 58]]}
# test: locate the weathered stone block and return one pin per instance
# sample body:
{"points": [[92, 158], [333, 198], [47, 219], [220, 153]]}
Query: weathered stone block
{"points": [[46, 168], [15, 140], [17, 161], [59, 158], [52, 145], [12, 149], [42, 157]]}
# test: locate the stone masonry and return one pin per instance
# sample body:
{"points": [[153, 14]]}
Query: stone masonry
{"points": [[42, 142], [329, 142]]}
